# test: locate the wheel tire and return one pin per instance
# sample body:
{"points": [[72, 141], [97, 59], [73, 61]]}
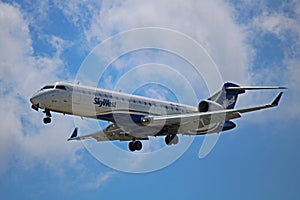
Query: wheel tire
{"points": [[131, 146], [47, 120], [138, 145], [168, 140], [175, 140]]}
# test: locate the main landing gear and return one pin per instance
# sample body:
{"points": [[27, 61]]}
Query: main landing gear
{"points": [[47, 119], [171, 139], [135, 145]]}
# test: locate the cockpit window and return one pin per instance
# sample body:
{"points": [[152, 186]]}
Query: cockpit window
{"points": [[61, 87], [48, 87]]}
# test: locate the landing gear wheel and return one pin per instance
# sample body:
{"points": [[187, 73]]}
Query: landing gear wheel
{"points": [[47, 120], [138, 145], [168, 140], [171, 139], [131, 146], [135, 145], [175, 140]]}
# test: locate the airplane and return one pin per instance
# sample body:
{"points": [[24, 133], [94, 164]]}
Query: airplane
{"points": [[135, 118]]}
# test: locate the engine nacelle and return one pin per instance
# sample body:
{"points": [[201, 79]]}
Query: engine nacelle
{"points": [[207, 105]]}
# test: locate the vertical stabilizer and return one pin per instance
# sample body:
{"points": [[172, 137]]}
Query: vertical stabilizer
{"points": [[228, 97]]}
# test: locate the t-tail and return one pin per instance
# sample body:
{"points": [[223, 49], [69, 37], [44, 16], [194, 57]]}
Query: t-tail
{"points": [[228, 95]]}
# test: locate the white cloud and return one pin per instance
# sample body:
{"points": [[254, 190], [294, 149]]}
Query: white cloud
{"points": [[25, 142], [277, 23], [209, 22], [100, 180], [22, 135]]}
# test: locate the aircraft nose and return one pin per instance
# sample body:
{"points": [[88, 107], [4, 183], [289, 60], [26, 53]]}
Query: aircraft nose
{"points": [[39, 100], [34, 100]]}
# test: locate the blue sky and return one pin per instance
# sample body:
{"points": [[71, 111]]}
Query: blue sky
{"points": [[252, 43]]}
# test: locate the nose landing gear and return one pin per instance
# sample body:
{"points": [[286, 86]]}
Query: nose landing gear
{"points": [[47, 119], [35, 107]]}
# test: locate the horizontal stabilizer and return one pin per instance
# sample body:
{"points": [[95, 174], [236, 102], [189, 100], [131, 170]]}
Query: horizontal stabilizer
{"points": [[74, 134], [256, 88]]}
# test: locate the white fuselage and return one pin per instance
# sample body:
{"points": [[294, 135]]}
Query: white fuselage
{"points": [[117, 107]]}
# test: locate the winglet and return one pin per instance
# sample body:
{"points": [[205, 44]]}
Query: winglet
{"points": [[277, 99], [74, 134]]}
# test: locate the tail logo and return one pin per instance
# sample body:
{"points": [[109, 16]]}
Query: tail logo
{"points": [[228, 102]]}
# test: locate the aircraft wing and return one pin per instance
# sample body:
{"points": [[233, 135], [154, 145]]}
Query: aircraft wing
{"points": [[206, 118], [112, 132]]}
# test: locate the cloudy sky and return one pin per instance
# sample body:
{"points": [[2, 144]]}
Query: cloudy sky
{"points": [[251, 43]]}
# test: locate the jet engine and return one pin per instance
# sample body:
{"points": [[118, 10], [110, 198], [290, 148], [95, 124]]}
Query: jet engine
{"points": [[207, 105]]}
